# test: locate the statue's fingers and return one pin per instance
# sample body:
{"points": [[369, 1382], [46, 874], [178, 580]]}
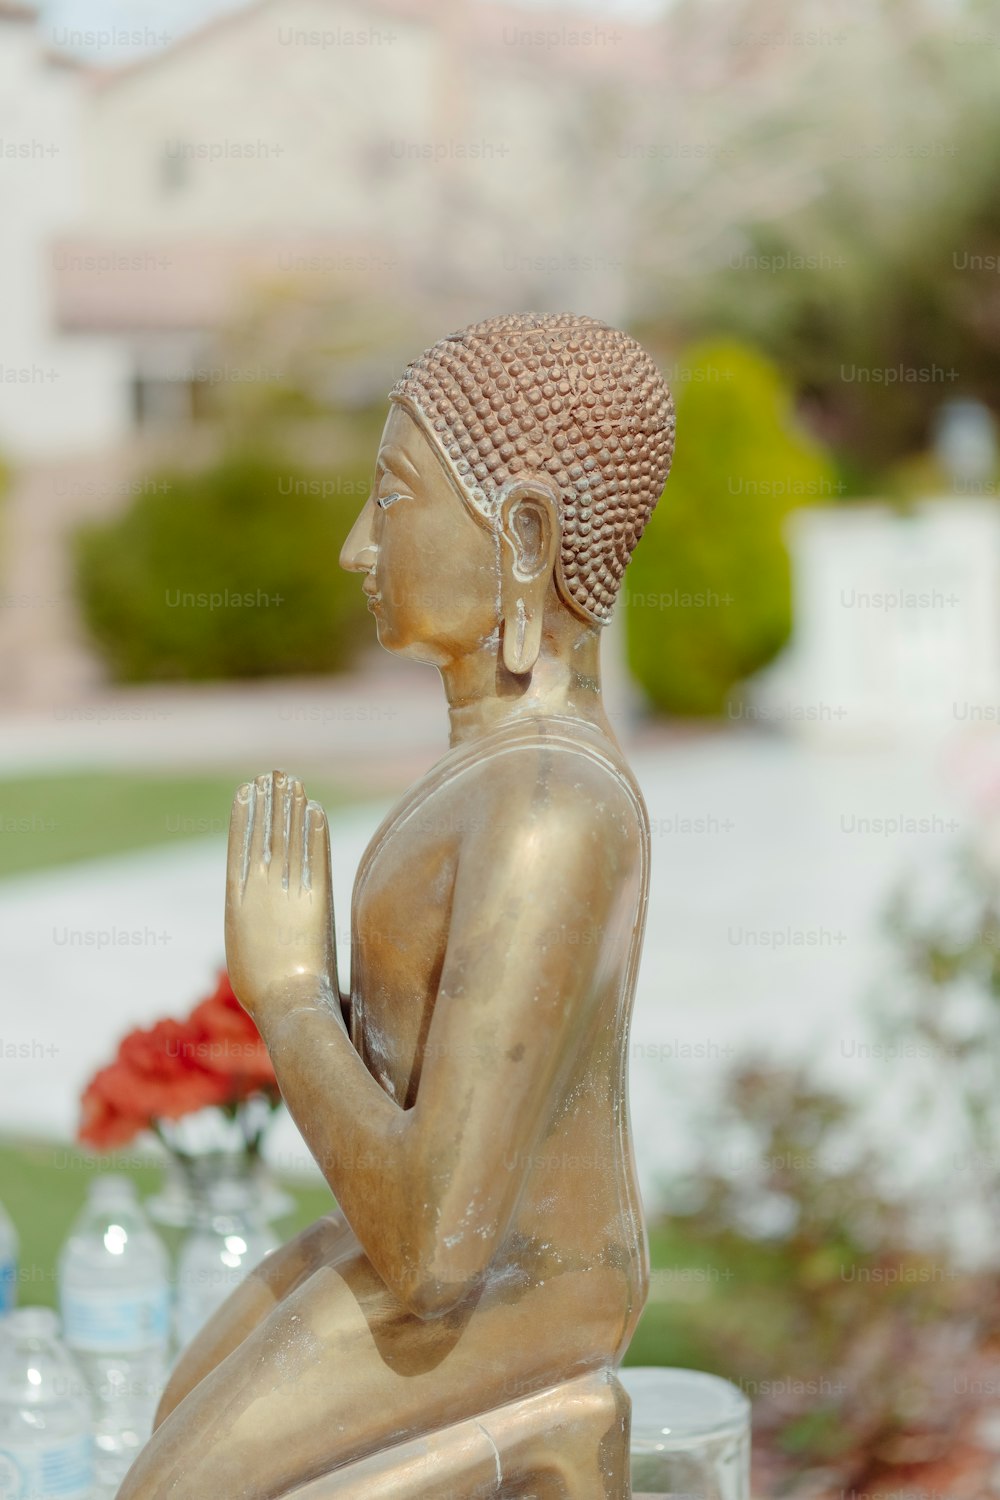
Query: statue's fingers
{"points": [[317, 845], [239, 841], [295, 850], [281, 812], [260, 834]]}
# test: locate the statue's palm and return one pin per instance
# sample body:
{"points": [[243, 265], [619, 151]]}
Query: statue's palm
{"points": [[279, 900]]}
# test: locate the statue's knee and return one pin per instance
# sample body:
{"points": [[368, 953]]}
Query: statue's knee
{"points": [[620, 1401], [571, 1440], [317, 1245], [173, 1394], [181, 1381]]}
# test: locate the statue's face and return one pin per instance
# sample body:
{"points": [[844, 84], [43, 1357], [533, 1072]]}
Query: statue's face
{"points": [[432, 569]]}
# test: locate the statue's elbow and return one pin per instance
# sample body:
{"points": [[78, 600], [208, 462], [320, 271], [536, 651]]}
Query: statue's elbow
{"points": [[445, 1267], [429, 1296]]}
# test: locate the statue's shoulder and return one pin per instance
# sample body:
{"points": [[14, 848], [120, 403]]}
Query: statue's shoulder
{"points": [[564, 766]]}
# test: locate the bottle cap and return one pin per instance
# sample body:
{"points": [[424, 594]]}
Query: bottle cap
{"points": [[232, 1197], [112, 1188], [33, 1322]]}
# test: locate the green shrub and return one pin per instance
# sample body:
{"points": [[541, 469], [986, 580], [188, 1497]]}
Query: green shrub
{"points": [[231, 572], [707, 596], [5, 479]]}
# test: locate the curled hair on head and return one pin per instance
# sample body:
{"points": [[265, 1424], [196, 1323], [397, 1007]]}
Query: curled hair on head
{"points": [[566, 398]]}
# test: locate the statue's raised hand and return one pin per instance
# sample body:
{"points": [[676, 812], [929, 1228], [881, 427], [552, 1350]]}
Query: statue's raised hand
{"points": [[279, 899]]}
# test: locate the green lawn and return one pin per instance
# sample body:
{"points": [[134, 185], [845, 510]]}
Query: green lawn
{"points": [[53, 820]]}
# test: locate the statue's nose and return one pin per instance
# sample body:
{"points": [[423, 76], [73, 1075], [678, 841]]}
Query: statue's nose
{"points": [[359, 552]]}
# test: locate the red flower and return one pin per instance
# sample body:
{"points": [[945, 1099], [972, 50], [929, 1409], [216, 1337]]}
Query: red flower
{"points": [[228, 1043], [162, 1073], [176, 1067], [103, 1123]]}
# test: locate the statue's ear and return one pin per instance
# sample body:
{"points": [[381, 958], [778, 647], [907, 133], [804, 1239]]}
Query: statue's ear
{"points": [[529, 532]]}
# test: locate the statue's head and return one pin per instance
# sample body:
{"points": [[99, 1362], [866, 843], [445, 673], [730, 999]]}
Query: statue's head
{"points": [[555, 433]]}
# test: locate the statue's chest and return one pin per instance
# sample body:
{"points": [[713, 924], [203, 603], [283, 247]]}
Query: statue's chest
{"points": [[402, 906]]}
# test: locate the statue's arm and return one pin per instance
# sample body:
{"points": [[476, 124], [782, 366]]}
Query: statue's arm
{"points": [[540, 906], [543, 915]]}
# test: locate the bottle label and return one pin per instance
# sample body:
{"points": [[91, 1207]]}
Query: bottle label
{"points": [[8, 1288], [106, 1321], [57, 1471]]}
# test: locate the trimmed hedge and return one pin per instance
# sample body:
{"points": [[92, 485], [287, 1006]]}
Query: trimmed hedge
{"points": [[231, 572], [707, 595]]}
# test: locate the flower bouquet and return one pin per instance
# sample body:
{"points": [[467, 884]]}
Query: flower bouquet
{"points": [[205, 1087]]}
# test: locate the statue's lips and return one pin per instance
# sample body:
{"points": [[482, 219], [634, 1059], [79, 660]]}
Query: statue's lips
{"points": [[372, 594]]}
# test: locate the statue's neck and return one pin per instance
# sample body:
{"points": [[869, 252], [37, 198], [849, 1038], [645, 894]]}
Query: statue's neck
{"points": [[565, 682]]}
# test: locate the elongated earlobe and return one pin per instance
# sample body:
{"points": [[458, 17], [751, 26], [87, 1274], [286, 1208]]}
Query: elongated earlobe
{"points": [[529, 530], [522, 636]]}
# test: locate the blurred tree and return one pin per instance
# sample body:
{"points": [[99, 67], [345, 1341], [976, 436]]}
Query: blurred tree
{"points": [[231, 569], [708, 594], [317, 358], [836, 206], [230, 572]]}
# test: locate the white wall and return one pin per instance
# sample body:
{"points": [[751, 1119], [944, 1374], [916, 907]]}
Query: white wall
{"points": [[897, 621], [57, 394], [315, 117]]}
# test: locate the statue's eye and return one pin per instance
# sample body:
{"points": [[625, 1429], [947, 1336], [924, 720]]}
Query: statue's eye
{"points": [[386, 500]]}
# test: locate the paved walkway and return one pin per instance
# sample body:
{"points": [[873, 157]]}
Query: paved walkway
{"points": [[380, 724], [383, 723], [765, 931]]}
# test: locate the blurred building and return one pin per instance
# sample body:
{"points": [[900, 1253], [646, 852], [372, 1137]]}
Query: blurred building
{"points": [[423, 155], [58, 390], [449, 157], [433, 151]]}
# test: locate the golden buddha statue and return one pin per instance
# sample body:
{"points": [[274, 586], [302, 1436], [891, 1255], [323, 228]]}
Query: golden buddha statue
{"points": [[453, 1330]]}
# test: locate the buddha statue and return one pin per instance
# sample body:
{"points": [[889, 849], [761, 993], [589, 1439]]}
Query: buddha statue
{"points": [[453, 1329]]}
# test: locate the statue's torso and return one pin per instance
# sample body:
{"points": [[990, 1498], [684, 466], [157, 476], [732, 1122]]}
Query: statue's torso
{"points": [[580, 1209]]}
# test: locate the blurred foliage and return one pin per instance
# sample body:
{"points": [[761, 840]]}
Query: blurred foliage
{"points": [[789, 1273], [303, 369], [230, 572], [317, 359], [708, 592], [945, 1013], [5, 479], [846, 220]]}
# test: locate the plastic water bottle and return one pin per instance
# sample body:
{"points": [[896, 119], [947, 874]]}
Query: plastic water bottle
{"points": [[229, 1239], [115, 1295], [8, 1265], [46, 1445]]}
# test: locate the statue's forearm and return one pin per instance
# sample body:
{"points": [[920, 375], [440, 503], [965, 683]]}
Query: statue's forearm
{"points": [[353, 1129], [370, 1151]]}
